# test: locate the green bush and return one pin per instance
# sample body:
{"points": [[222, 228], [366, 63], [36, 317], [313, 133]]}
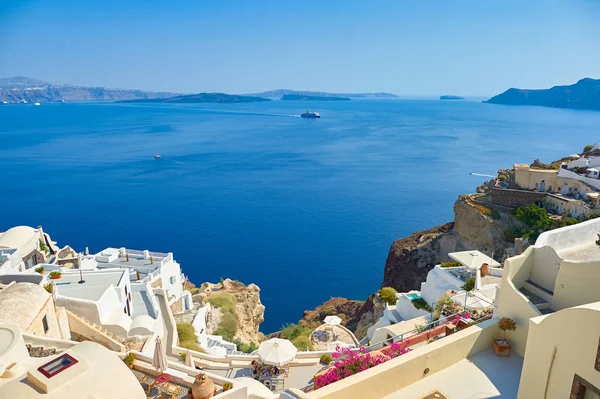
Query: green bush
{"points": [[293, 331], [186, 332], [587, 148], [227, 327], [495, 215], [450, 264], [419, 303], [326, 359], [39, 269], [303, 343], [327, 311], [535, 218], [191, 345], [55, 274], [225, 302], [48, 287], [244, 347], [469, 284], [129, 359], [188, 338], [43, 246], [388, 295]]}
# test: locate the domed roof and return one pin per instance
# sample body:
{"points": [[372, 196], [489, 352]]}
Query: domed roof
{"points": [[20, 303], [17, 236]]}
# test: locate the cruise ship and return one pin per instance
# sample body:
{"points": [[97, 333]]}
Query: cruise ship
{"points": [[309, 114]]}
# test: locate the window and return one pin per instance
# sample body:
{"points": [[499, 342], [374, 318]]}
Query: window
{"points": [[581, 389], [45, 324], [172, 279], [57, 365]]}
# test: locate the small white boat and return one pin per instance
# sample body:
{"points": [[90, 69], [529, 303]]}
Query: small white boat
{"points": [[36, 103], [156, 156], [4, 102]]}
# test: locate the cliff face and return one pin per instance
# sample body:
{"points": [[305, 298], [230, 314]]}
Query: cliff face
{"points": [[411, 258], [346, 309], [249, 311]]}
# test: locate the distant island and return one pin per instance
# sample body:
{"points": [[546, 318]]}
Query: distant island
{"points": [[300, 97], [280, 93], [451, 97], [584, 94], [201, 98], [19, 89]]}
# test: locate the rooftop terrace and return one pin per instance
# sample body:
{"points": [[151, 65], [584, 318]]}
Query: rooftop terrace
{"points": [[96, 283], [483, 375]]}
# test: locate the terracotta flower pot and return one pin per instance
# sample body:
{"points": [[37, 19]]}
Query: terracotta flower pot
{"points": [[203, 387], [485, 270], [501, 348]]}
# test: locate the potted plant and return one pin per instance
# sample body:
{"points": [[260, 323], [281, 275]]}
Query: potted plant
{"points": [[129, 359], [227, 386], [55, 275], [501, 346], [203, 387], [39, 270]]}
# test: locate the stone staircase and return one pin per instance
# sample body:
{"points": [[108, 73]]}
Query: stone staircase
{"points": [[106, 335], [539, 296]]}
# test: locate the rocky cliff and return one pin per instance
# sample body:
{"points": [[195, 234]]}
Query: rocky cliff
{"points": [[246, 307], [476, 225]]}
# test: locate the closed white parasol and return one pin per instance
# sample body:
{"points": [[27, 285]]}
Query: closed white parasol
{"points": [[276, 351], [159, 362], [189, 360]]}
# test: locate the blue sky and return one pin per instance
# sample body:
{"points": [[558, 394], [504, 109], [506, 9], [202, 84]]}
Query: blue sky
{"points": [[421, 48]]}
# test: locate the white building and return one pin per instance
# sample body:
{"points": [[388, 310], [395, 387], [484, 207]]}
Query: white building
{"points": [[11, 261], [109, 299], [158, 269], [439, 281]]}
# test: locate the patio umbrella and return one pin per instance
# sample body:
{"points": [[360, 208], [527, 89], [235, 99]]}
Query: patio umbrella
{"points": [[333, 320], [276, 351], [189, 360], [159, 362]]}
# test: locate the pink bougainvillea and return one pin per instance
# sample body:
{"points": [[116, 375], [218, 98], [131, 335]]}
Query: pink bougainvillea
{"points": [[349, 362], [396, 349]]}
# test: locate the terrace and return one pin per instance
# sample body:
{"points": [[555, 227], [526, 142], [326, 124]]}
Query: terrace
{"points": [[482, 375]]}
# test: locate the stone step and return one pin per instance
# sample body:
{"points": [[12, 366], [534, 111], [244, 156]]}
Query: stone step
{"points": [[539, 291]]}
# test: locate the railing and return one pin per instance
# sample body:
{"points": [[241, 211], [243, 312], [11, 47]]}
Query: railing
{"points": [[433, 324]]}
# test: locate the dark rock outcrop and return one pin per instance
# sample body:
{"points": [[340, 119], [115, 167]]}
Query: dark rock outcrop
{"points": [[584, 94], [410, 258]]}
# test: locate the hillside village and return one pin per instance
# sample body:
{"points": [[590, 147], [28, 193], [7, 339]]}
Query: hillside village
{"points": [[505, 298]]}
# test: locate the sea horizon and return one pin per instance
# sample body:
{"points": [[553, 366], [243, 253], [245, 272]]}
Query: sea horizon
{"points": [[305, 209]]}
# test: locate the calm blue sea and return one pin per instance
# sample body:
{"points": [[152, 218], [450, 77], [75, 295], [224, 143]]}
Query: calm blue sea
{"points": [[306, 209]]}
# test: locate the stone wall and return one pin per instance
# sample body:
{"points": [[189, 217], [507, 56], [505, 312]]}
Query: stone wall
{"points": [[34, 255], [176, 306], [157, 283], [515, 198]]}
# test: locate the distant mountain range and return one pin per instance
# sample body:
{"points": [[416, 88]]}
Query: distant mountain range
{"points": [[584, 94], [201, 98], [18, 89], [279, 93], [300, 97]]}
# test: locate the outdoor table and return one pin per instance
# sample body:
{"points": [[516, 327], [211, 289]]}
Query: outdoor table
{"points": [[160, 380]]}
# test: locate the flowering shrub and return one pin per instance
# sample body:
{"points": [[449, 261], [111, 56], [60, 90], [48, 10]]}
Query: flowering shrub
{"points": [[396, 349], [349, 363]]}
